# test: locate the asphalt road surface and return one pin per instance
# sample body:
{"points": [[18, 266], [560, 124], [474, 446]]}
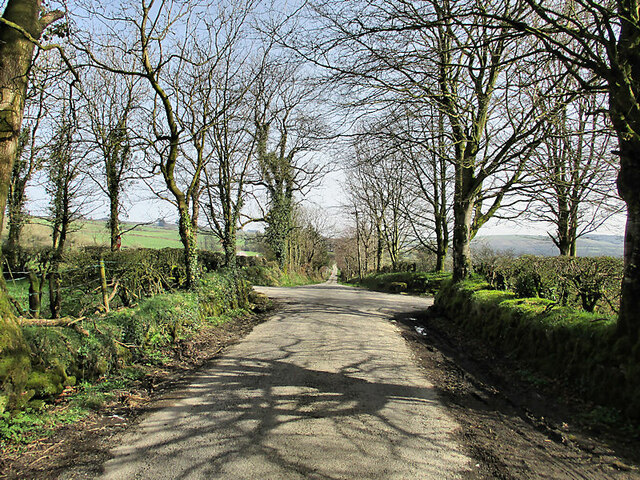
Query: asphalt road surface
{"points": [[326, 389]]}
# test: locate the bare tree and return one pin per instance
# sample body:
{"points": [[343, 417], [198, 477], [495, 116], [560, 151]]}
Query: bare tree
{"points": [[161, 43], [346, 256], [429, 210], [217, 116], [368, 212], [597, 42], [447, 55], [308, 245], [111, 104], [64, 167], [378, 180], [287, 128], [44, 74], [22, 24], [573, 174], [364, 233], [416, 136]]}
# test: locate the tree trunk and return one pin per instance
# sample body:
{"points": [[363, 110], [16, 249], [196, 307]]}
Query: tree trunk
{"points": [[229, 247], [441, 242], [462, 213], [15, 61], [35, 291], [564, 247], [563, 241], [12, 245], [463, 209], [441, 255], [629, 188], [278, 231], [16, 223], [15, 210], [55, 299], [573, 244], [358, 256], [189, 243], [379, 247], [442, 228], [114, 220]]}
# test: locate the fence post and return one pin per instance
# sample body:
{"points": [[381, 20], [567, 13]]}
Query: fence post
{"points": [[103, 285]]}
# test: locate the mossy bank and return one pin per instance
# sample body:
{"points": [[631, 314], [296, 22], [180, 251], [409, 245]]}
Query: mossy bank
{"points": [[38, 362], [576, 347]]}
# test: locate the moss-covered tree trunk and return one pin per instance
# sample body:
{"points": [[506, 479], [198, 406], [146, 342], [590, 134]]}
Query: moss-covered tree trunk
{"points": [[16, 207], [114, 183], [229, 247], [190, 246], [16, 52], [114, 219], [279, 224], [16, 214], [35, 295]]}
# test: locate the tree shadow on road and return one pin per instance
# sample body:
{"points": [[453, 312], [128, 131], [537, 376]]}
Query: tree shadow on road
{"points": [[241, 416]]}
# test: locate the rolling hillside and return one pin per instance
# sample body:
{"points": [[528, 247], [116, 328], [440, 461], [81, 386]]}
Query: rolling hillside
{"points": [[589, 246]]}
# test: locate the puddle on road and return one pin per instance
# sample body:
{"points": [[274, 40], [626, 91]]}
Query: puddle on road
{"points": [[421, 330]]}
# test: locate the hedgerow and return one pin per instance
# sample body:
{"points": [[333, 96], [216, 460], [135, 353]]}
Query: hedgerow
{"points": [[569, 344], [591, 284], [406, 281], [52, 358], [270, 274]]}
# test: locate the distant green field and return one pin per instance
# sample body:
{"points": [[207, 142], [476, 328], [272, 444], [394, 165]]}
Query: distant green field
{"points": [[95, 233]]}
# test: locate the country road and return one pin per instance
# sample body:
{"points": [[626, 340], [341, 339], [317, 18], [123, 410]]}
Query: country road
{"points": [[326, 389]]}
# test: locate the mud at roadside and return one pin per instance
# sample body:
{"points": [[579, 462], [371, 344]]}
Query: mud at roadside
{"points": [[512, 428], [85, 445]]}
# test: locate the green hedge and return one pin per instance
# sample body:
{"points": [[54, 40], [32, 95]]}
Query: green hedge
{"points": [[575, 346], [411, 282], [270, 275], [587, 283], [139, 274]]}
